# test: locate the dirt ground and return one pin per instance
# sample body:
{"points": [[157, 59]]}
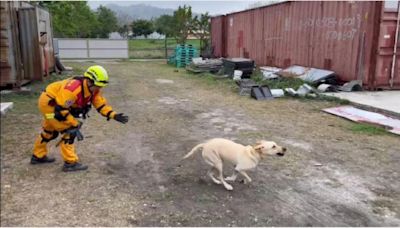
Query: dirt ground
{"points": [[331, 175]]}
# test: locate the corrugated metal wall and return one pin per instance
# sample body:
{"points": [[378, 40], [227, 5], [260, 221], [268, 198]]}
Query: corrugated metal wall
{"points": [[30, 48], [216, 35], [23, 58], [7, 58], [92, 48], [338, 36], [387, 73]]}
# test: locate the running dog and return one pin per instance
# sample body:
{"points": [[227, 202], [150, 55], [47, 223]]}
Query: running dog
{"points": [[217, 150]]}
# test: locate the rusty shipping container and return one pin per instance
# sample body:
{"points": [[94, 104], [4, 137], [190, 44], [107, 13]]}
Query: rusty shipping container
{"points": [[357, 40], [26, 43]]}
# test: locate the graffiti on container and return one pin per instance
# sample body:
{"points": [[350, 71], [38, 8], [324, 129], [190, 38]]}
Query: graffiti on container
{"points": [[331, 22], [339, 29], [341, 35]]}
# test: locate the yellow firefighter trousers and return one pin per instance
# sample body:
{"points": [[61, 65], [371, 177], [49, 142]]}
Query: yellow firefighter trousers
{"points": [[50, 127]]}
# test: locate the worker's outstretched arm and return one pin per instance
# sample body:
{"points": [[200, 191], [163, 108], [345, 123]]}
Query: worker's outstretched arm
{"points": [[100, 103]]}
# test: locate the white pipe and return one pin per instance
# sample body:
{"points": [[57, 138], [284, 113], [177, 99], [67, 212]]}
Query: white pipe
{"points": [[395, 46]]}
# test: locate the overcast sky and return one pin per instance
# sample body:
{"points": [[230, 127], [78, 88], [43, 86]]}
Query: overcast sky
{"points": [[213, 7]]}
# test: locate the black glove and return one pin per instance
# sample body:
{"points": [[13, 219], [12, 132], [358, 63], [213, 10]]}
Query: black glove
{"points": [[120, 117], [74, 133]]}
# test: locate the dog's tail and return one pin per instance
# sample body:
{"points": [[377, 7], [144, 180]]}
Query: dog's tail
{"points": [[193, 151]]}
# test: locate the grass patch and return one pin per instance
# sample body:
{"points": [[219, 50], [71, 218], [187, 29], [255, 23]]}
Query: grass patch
{"points": [[214, 81], [367, 129], [150, 44], [282, 83], [322, 97], [149, 54], [279, 83], [155, 48]]}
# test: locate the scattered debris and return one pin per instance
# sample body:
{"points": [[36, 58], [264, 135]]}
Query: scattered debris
{"points": [[313, 76], [291, 91], [277, 92], [5, 106], [197, 60], [237, 75], [303, 90], [327, 88], [198, 65], [355, 85], [245, 65], [292, 72], [269, 72], [362, 116], [245, 86], [261, 93], [5, 91]]}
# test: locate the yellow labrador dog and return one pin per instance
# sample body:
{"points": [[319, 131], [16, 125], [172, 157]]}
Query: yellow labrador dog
{"points": [[217, 150]]}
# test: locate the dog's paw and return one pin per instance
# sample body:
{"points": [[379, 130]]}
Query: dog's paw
{"points": [[228, 187], [230, 178]]}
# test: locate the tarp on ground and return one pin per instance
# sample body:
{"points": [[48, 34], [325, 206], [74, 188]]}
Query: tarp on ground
{"points": [[362, 116]]}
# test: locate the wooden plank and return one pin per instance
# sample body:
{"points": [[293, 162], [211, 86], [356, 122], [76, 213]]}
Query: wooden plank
{"points": [[4, 19], [4, 54], [4, 43], [3, 5], [4, 34]]}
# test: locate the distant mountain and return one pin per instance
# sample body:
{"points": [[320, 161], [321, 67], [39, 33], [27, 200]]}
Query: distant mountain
{"points": [[126, 14]]}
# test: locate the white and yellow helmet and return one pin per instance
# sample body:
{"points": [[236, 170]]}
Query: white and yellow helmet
{"points": [[98, 75]]}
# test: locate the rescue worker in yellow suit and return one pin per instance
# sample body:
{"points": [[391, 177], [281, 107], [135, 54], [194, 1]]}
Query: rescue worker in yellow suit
{"points": [[61, 103]]}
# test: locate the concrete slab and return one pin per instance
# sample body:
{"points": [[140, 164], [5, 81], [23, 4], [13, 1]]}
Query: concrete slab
{"points": [[5, 106], [387, 101]]}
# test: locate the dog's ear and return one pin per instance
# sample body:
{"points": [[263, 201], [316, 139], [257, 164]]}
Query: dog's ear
{"points": [[258, 147]]}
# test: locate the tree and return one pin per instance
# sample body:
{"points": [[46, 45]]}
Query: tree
{"points": [[124, 31], [201, 29], [107, 22], [183, 23], [165, 25], [142, 27], [71, 18]]}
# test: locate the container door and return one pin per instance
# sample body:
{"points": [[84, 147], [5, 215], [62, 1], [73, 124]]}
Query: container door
{"points": [[29, 41], [387, 75], [217, 41]]}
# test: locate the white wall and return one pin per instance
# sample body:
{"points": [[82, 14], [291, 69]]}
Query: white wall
{"points": [[91, 48]]}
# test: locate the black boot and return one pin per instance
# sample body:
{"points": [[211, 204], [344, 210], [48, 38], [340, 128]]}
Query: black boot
{"points": [[35, 160], [69, 167]]}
